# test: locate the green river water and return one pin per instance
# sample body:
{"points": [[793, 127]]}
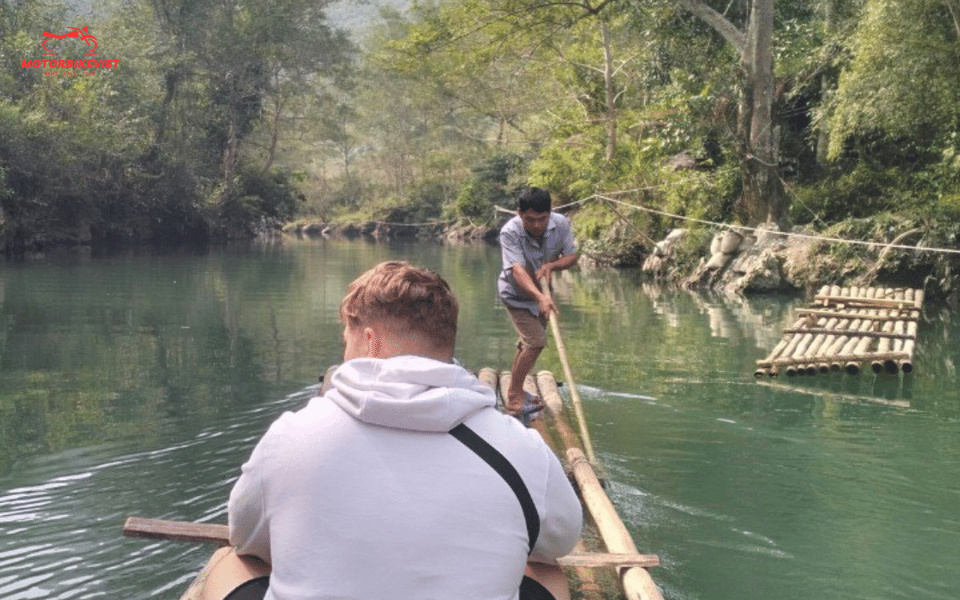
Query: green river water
{"points": [[136, 383]]}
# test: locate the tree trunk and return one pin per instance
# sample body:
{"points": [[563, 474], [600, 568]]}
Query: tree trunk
{"points": [[763, 198], [611, 109], [763, 195], [823, 127]]}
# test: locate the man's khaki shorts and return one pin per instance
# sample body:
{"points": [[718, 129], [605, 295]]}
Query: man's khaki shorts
{"points": [[531, 329]]}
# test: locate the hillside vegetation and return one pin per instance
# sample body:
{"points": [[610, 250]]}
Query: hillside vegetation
{"points": [[221, 119]]}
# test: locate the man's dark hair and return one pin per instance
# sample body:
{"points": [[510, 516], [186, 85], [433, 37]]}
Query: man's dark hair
{"points": [[534, 199]]}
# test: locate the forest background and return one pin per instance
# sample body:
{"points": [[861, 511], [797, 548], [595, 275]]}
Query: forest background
{"points": [[226, 118]]}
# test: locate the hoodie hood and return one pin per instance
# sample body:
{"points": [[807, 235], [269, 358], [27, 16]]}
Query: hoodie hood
{"points": [[409, 392]]}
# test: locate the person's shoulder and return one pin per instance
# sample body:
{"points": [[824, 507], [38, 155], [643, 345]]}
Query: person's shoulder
{"points": [[512, 229], [512, 224], [559, 219]]}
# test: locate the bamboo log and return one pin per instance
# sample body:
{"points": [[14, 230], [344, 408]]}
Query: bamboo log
{"points": [[853, 367], [637, 583], [860, 345], [891, 365], [488, 377], [883, 345], [896, 345], [590, 587], [822, 366], [906, 365], [819, 335], [547, 385], [841, 358], [847, 349], [786, 345], [798, 353], [195, 589]]}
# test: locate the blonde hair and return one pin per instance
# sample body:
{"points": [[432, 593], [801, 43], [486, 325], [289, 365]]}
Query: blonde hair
{"points": [[412, 299]]}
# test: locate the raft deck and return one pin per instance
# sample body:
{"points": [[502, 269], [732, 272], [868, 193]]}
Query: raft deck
{"points": [[604, 531], [846, 328]]}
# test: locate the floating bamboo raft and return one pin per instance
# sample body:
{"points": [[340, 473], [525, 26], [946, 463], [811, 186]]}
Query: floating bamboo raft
{"points": [[604, 531], [846, 328]]}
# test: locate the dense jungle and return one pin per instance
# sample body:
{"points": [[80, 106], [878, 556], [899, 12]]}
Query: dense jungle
{"points": [[219, 121]]}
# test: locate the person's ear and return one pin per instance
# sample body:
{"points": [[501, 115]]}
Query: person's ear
{"points": [[373, 341]]}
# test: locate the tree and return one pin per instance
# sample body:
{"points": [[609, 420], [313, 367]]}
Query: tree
{"points": [[763, 194]]}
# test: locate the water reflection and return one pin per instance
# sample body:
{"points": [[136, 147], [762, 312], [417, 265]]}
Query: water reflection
{"points": [[137, 383]]}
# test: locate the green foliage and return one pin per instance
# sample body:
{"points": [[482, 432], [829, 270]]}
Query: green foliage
{"points": [[494, 182], [902, 81], [277, 198]]}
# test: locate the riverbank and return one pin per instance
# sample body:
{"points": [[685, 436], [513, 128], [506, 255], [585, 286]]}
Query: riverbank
{"points": [[881, 251]]}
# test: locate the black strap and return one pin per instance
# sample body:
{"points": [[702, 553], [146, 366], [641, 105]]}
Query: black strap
{"points": [[502, 466]]}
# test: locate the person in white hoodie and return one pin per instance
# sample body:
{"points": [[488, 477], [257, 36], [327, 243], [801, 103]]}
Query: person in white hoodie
{"points": [[402, 480]]}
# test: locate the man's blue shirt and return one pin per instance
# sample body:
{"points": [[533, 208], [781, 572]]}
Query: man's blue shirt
{"points": [[518, 246]]}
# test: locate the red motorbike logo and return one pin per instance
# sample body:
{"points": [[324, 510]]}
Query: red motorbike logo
{"points": [[74, 32]]}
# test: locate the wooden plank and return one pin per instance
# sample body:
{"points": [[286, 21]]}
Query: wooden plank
{"points": [[609, 559], [176, 530], [874, 334], [867, 302], [213, 533], [819, 312]]}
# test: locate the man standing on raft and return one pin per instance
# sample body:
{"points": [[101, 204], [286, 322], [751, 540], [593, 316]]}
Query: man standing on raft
{"points": [[534, 244]]}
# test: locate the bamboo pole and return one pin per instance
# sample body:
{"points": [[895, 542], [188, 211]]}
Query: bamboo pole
{"points": [[587, 579], [547, 385], [883, 345], [488, 377], [891, 365], [864, 341], [847, 349], [811, 350], [906, 364], [565, 363], [822, 365], [764, 366], [637, 583]]}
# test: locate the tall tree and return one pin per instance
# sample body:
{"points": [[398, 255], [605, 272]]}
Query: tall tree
{"points": [[763, 194]]}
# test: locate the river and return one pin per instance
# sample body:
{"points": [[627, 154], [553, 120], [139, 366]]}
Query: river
{"points": [[137, 382]]}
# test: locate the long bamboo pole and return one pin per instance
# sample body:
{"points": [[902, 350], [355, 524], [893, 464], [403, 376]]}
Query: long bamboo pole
{"points": [[574, 394], [637, 583]]}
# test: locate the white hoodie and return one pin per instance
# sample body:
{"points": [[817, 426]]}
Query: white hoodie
{"points": [[363, 494]]}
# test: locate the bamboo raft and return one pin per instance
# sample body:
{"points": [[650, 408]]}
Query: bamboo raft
{"points": [[605, 563], [604, 531], [846, 328]]}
